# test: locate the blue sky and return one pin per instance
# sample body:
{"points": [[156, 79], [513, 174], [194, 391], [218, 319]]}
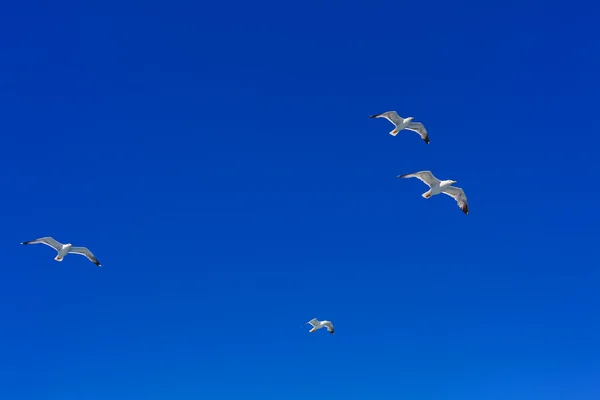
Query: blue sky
{"points": [[219, 160]]}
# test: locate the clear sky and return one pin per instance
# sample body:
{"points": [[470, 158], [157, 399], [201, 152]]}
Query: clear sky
{"points": [[218, 159]]}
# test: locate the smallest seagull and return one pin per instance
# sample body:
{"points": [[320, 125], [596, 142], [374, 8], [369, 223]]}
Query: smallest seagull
{"points": [[403, 123], [316, 324], [64, 249], [436, 187]]}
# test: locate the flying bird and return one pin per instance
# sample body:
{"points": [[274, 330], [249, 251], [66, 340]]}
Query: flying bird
{"points": [[316, 325], [403, 123], [436, 187], [64, 249]]}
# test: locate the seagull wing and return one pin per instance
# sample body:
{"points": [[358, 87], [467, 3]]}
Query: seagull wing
{"points": [[329, 326], [84, 251], [420, 129], [459, 195], [391, 116], [314, 322], [48, 241], [424, 176]]}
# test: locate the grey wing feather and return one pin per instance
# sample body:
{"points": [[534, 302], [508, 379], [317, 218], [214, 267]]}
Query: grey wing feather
{"points": [[420, 129], [313, 322], [84, 251], [329, 326], [391, 116], [424, 176], [459, 195], [48, 241]]}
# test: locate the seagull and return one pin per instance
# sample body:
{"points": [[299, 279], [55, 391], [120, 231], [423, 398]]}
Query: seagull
{"points": [[403, 123], [64, 249], [316, 324], [437, 187]]}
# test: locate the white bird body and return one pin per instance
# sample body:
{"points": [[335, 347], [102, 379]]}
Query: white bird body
{"points": [[316, 325], [64, 249], [403, 123], [436, 187]]}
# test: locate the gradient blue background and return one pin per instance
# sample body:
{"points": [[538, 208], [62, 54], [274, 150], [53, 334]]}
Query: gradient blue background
{"points": [[219, 160]]}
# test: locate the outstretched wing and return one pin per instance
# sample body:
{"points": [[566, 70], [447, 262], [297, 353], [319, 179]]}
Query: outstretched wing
{"points": [[48, 241], [84, 251], [314, 322], [459, 195], [424, 176], [391, 116], [329, 326], [420, 129]]}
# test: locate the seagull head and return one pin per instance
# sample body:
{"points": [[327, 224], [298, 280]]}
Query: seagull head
{"points": [[452, 182], [410, 119]]}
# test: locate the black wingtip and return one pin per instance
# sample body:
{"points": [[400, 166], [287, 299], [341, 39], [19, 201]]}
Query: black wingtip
{"points": [[401, 176], [24, 242], [426, 140], [374, 116]]}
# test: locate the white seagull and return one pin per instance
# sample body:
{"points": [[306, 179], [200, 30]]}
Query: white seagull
{"points": [[437, 187], [64, 249], [316, 324], [403, 123]]}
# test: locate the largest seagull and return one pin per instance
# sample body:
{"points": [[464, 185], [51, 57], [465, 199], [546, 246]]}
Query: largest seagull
{"points": [[403, 123], [316, 325], [64, 249], [436, 187]]}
